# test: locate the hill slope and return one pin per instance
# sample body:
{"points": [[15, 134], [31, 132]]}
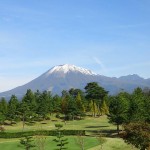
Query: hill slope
{"points": [[64, 77]]}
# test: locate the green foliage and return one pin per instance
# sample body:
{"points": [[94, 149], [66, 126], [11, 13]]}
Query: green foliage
{"points": [[139, 104], [2, 118], [26, 142], [60, 140], [39, 132], [104, 108], [95, 93], [81, 141], [13, 105], [80, 105], [100, 139], [138, 134], [118, 110], [56, 104], [40, 141], [44, 104], [3, 106], [64, 104]]}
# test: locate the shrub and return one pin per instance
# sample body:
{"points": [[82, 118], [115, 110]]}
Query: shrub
{"points": [[137, 134], [39, 132], [2, 128]]}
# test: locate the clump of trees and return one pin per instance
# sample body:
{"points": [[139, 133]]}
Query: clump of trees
{"points": [[133, 112], [37, 106], [129, 110]]}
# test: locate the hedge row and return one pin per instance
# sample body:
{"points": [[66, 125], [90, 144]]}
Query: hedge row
{"points": [[40, 132]]}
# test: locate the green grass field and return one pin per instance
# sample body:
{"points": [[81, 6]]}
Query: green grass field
{"points": [[88, 123], [93, 126], [91, 143]]}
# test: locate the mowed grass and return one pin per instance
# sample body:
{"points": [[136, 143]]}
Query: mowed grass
{"points": [[91, 143], [13, 144], [93, 126], [89, 123]]}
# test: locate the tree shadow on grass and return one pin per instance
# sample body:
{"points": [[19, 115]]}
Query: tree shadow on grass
{"points": [[107, 133], [96, 126]]}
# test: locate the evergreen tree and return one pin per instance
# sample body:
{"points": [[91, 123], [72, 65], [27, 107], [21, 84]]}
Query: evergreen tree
{"points": [[64, 104], [95, 93], [60, 140], [56, 103], [118, 110], [2, 118], [13, 105], [24, 112], [44, 106], [3, 106], [29, 99], [146, 108], [136, 106], [26, 142], [72, 109]]}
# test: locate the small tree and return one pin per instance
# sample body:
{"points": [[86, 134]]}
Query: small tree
{"points": [[60, 140], [80, 140], [26, 142], [40, 141], [24, 113], [101, 140]]}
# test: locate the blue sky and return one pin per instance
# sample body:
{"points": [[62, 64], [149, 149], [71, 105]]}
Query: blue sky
{"points": [[109, 37]]}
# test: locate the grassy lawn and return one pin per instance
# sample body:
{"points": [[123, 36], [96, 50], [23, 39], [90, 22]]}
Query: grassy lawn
{"points": [[13, 144], [91, 125], [91, 143], [88, 123]]}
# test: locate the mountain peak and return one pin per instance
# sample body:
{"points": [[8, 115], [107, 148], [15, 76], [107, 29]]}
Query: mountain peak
{"points": [[69, 68]]}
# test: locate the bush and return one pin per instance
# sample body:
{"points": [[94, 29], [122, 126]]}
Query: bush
{"points": [[137, 134], [2, 129], [6, 122], [40, 132], [57, 115]]}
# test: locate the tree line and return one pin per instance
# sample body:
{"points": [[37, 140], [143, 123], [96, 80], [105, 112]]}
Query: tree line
{"points": [[36, 106], [130, 110]]}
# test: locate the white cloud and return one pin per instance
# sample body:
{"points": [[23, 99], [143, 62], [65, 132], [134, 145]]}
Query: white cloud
{"points": [[99, 62]]}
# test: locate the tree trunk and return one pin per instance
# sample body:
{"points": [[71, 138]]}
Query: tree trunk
{"points": [[118, 129], [94, 109], [23, 121]]}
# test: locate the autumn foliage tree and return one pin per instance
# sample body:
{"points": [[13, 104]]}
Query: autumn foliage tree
{"points": [[138, 134]]}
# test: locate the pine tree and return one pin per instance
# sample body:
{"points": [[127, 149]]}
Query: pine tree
{"points": [[56, 103], [3, 106], [24, 112], [60, 140], [29, 99], [26, 142], [44, 105], [118, 110], [13, 105]]}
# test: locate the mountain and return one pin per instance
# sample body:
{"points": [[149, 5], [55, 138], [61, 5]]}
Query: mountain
{"points": [[64, 77]]}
